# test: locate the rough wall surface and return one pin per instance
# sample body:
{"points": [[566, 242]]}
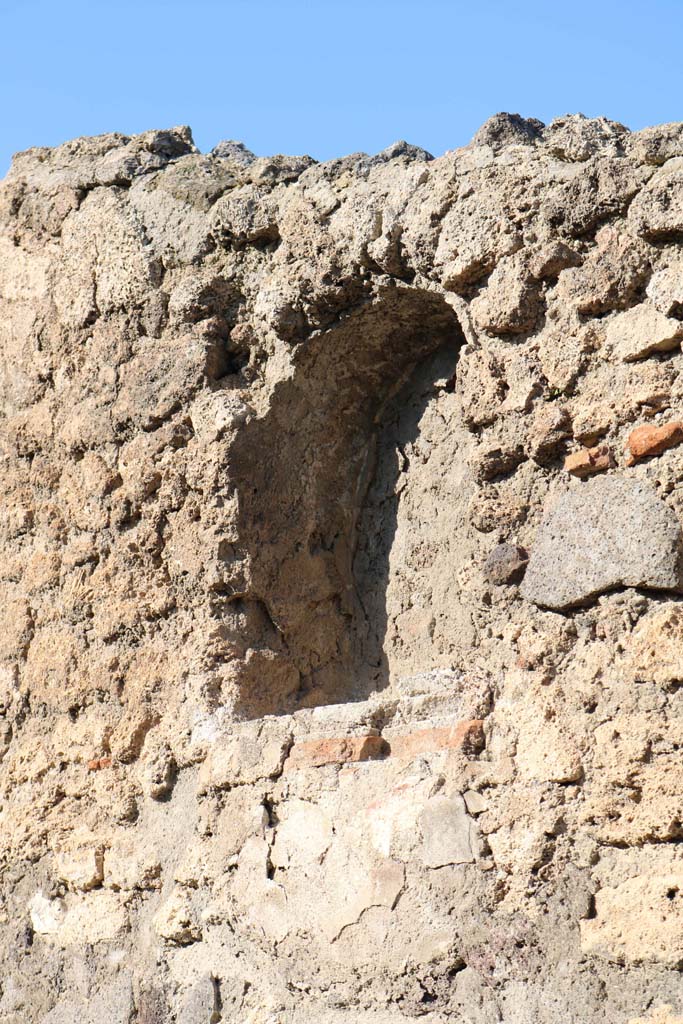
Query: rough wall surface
{"points": [[341, 637]]}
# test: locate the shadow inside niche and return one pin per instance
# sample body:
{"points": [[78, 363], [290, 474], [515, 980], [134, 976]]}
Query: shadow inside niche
{"points": [[376, 561], [306, 633]]}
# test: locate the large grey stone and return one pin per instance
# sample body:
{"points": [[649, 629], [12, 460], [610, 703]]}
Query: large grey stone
{"points": [[605, 533]]}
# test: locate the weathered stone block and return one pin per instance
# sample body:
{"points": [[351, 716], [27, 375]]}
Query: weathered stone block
{"points": [[79, 860], [641, 331], [448, 832], [605, 533], [254, 751], [639, 921]]}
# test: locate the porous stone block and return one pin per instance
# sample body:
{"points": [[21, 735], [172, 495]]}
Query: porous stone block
{"points": [[641, 331], [638, 921]]}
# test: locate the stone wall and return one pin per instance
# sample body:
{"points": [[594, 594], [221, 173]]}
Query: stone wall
{"points": [[341, 641]]}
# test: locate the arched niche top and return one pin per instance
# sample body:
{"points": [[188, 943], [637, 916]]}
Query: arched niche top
{"points": [[303, 471]]}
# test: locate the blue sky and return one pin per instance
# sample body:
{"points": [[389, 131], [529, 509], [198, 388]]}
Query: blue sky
{"points": [[329, 77]]}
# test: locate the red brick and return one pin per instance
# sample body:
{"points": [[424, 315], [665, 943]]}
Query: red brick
{"points": [[336, 750], [588, 461], [467, 736], [648, 440]]}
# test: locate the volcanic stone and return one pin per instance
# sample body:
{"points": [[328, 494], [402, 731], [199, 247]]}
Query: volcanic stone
{"points": [[506, 564], [606, 533]]}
